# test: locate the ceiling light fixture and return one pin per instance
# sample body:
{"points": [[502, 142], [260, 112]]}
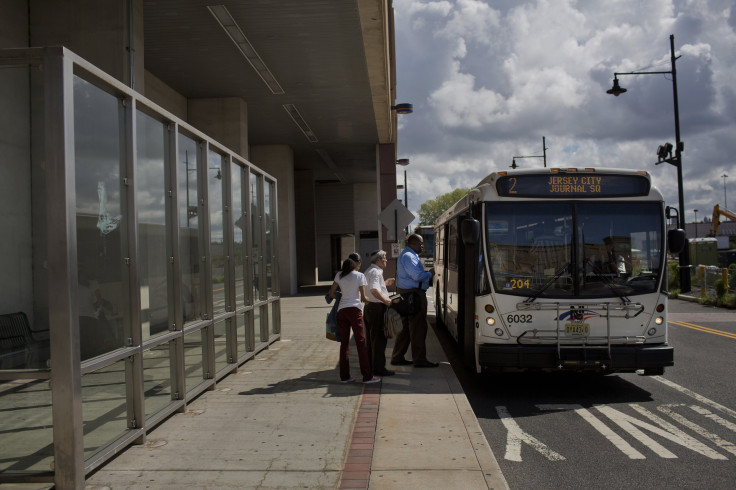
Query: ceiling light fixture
{"points": [[234, 32], [300, 122]]}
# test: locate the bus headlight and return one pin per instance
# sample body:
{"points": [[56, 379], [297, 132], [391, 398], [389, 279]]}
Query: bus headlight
{"points": [[659, 320], [499, 332], [490, 321]]}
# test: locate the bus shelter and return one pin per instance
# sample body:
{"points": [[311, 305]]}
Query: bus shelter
{"points": [[139, 259]]}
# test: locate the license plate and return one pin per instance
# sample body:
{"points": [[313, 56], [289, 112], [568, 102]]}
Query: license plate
{"points": [[577, 330]]}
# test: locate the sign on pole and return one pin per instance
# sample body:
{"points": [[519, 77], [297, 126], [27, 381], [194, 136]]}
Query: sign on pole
{"points": [[395, 217]]}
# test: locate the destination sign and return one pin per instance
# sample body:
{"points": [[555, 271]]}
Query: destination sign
{"points": [[579, 185]]}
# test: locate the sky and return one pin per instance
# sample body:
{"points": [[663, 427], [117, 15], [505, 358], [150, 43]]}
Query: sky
{"points": [[490, 79]]}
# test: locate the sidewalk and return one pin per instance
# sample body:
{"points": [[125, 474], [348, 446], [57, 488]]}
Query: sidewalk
{"points": [[284, 420]]}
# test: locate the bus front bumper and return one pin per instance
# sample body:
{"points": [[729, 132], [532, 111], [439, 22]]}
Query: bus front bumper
{"points": [[623, 358]]}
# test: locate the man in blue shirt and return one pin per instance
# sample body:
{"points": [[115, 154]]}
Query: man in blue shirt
{"points": [[412, 278]]}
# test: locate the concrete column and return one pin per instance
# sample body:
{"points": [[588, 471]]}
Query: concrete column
{"points": [[386, 172], [306, 228], [278, 160], [222, 119], [107, 33]]}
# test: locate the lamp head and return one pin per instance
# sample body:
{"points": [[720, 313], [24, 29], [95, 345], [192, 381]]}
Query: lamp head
{"points": [[402, 161], [616, 89], [513, 163], [403, 108]]}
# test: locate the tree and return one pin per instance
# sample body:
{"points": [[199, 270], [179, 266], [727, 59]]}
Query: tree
{"points": [[432, 209]]}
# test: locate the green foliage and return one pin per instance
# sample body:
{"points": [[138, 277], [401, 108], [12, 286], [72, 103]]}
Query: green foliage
{"points": [[432, 209], [732, 277], [719, 287], [673, 277]]}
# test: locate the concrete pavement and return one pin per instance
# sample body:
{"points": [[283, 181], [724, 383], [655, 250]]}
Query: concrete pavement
{"points": [[284, 420]]}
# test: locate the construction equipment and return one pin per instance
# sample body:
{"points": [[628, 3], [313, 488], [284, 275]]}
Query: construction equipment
{"points": [[717, 213]]}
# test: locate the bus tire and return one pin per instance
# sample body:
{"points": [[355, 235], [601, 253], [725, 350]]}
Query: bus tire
{"points": [[439, 321]]}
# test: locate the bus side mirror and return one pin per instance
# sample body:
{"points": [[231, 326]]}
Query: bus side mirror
{"points": [[470, 231], [676, 241]]}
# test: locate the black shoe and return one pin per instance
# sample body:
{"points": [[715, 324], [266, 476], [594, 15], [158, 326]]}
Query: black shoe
{"points": [[385, 372], [427, 364], [401, 362]]}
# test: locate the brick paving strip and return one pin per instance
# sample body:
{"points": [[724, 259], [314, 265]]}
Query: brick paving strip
{"points": [[357, 469]]}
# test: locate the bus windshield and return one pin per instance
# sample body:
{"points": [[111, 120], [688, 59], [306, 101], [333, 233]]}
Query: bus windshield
{"points": [[574, 249]]}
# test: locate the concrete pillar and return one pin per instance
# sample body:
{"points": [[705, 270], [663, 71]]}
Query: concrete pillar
{"points": [[306, 228], [278, 160], [222, 119], [386, 170], [107, 33]]}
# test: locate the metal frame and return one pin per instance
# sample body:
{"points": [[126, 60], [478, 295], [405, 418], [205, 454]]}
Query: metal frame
{"points": [[60, 66]]}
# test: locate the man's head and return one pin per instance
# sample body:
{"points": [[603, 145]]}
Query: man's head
{"points": [[379, 258], [415, 242]]}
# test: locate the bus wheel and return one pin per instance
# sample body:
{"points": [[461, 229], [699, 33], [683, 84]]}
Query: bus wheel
{"points": [[438, 310]]}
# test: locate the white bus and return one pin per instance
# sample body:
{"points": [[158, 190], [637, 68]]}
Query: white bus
{"points": [[557, 269]]}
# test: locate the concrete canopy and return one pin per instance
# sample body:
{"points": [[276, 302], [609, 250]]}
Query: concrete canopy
{"points": [[333, 59]]}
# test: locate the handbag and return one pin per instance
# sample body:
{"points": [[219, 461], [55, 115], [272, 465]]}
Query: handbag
{"points": [[406, 304], [331, 331], [392, 323]]}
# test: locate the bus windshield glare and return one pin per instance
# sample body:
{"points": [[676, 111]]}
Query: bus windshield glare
{"points": [[581, 249]]}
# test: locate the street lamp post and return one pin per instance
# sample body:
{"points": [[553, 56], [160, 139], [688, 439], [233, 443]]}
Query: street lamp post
{"points": [[725, 202], [666, 149], [696, 222]]}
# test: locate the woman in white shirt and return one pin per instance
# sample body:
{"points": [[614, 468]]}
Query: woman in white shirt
{"points": [[350, 316]]}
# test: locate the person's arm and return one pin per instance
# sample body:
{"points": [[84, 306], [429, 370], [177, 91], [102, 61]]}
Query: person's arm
{"points": [[377, 294], [414, 268], [333, 288], [363, 297], [390, 282]]}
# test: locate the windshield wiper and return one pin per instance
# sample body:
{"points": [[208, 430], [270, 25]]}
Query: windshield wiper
{"points": [[606, 280], [547, 284]]}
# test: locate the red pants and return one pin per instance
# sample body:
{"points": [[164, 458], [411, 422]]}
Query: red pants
{"points": [[348, 318]]}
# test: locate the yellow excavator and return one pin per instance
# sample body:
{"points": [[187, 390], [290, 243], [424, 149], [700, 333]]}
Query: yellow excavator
{"points": [[717, 213]]}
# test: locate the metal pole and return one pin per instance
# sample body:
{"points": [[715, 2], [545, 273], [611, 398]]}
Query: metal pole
{"points": [[406, 200], [725, 202], [544, 151], [685, 254]]}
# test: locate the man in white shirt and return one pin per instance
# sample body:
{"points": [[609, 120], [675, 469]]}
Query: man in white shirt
{"points": [[374, 311]]}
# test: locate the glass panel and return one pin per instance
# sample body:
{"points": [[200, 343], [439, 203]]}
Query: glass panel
{"points": [[157, 378], [26, 415], [258, 319], [151, 198], [24, 285], [193, 359], [217, 242], [255, 232], [268, 245], [620, 248], [221, 357], [104, 414], [239, 229], [529, 245], [245, 333], [102, 295], [189, 231], [275, 317]]}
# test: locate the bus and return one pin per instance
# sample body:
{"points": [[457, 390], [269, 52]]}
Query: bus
{"points": [[557, 269], [427, 234]]}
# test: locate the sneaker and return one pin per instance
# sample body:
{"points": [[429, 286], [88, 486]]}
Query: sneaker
{"points": [[349, 380], [374, 379]]}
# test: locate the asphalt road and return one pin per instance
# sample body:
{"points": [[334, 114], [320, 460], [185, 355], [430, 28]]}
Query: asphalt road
{"points": [[566, 430]]}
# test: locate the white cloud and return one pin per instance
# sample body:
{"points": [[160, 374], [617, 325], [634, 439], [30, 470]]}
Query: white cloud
{"points": [[488, 79]]}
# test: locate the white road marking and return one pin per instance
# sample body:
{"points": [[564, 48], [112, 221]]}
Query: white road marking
{"points": [[715, 418], [614, 438], [627, 423], [679, 436], [516, 436], [702, 432], [698, 397]]}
